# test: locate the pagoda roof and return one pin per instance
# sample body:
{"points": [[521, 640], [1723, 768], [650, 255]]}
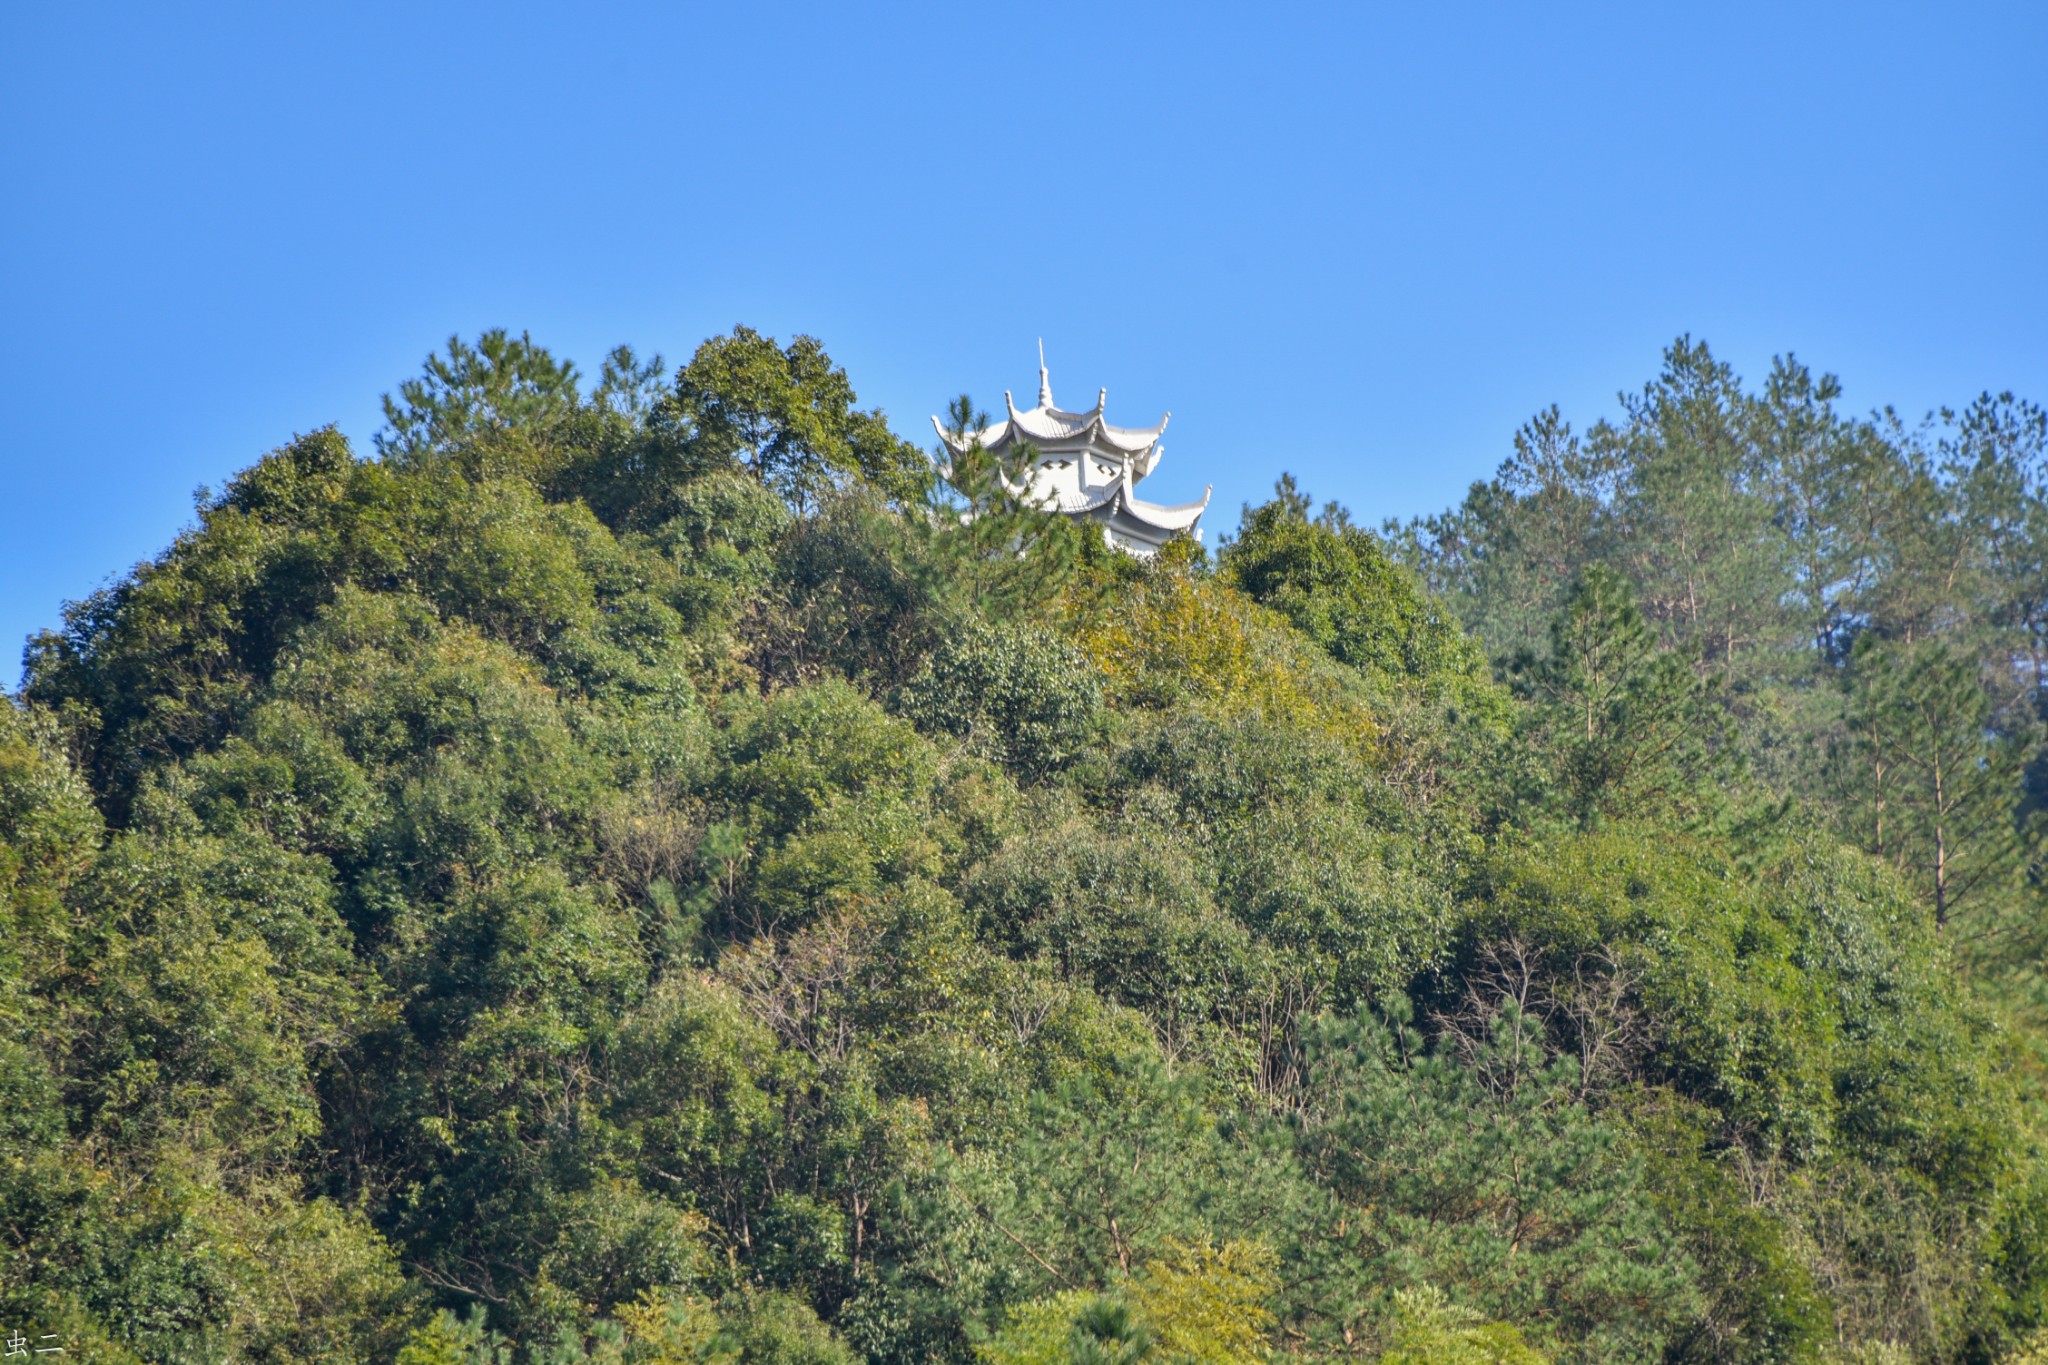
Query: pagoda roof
{"points": [[1084, 467], [1119, 497], [1051, 428], [1179, 517]]}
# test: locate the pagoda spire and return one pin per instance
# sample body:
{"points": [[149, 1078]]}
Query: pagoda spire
{"points": [[1044, 379]]}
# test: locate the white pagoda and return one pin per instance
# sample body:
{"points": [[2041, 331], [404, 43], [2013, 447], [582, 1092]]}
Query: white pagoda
{"points": [[1085, 468]]}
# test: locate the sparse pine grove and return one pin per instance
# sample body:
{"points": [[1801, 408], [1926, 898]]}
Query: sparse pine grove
{"points": [[633, 869]]}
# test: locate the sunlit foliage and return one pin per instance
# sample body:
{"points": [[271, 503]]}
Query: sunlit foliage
{"points": [[639, 873]]}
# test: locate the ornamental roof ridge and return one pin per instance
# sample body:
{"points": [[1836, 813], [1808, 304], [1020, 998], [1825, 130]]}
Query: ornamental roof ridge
{"points": [[1048, 425]]}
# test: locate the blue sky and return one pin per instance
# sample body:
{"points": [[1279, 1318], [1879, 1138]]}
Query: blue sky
{"points": [[1361, 243]]}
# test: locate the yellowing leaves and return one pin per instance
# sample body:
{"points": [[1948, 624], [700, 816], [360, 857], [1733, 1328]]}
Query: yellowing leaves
{"points": [[1198, 1305], [1170, 639], [1208, 1303], [1429, 1329]]}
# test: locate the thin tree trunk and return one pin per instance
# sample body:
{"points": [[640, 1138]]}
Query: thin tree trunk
{"points": [[1940, 855]]}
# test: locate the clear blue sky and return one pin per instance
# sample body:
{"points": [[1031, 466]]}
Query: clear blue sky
{"points": [[1360, 242]]}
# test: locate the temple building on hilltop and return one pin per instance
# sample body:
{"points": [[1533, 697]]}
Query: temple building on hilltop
{"points": [[1085, 468]]}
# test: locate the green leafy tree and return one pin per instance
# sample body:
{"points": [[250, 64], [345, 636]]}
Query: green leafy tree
{"points": [[787, 415], [1021, 697], [1339, 587], [774, 1329]]}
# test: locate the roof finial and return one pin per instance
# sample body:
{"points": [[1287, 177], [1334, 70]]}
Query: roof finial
{"points": [[1044, 380]]}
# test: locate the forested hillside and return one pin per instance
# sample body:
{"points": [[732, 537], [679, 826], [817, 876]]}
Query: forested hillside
{"points": [[627, 872], [1863, 600]]}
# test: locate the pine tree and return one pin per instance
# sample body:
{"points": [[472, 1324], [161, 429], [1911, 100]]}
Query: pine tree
{"points": [[1621, 727], [1934, 788], [993, 548], [1694, 531]]}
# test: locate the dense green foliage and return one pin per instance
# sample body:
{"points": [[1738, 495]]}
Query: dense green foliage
{"points": [[643, 874]]}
